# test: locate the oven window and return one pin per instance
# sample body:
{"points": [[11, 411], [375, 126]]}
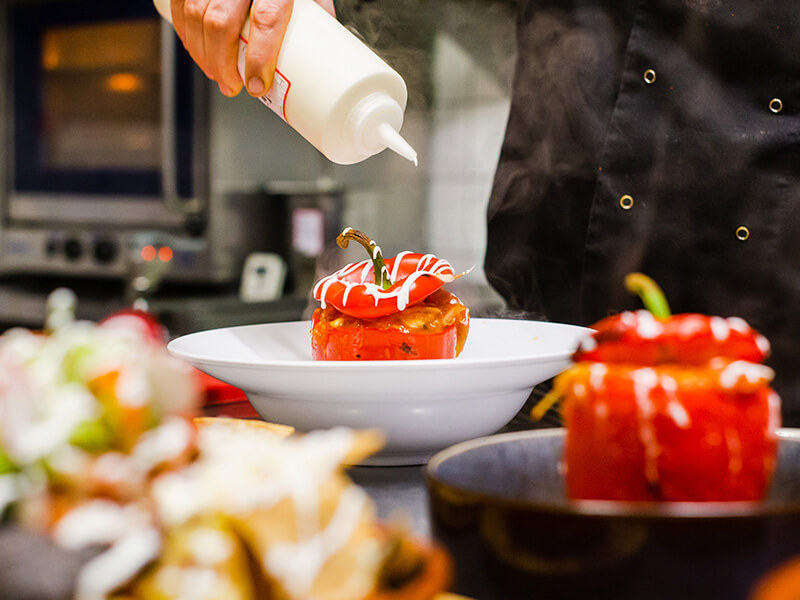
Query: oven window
{"points": [[101, 96], [87, 78]]}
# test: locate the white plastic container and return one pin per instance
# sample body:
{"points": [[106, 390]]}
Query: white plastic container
{"points": [[331, 88]]}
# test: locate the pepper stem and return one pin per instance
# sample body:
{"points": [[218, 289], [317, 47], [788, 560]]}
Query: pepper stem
{"points": [[652, 296], [382, 278]]}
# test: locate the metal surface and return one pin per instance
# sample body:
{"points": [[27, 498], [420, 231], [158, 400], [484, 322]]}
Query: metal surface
{"points": [[399, 493]]}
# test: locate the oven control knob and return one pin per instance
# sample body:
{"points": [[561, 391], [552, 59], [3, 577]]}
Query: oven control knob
{"points": [[51, 247], [105, 251], [73, 249]]}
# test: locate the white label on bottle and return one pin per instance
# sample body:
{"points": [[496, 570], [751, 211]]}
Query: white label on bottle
{"points": [[275, 98]]}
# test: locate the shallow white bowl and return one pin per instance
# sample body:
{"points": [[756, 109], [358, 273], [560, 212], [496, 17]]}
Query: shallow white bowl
{"points": [[421, 405]]}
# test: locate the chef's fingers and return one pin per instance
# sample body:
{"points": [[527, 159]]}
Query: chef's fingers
{"points": [[178, 21], [327, 5], [222, 24], [194, 12], [268, 22]]}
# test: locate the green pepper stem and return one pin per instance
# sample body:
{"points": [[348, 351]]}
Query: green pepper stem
{"points": [[382, 278], [652, 296]]}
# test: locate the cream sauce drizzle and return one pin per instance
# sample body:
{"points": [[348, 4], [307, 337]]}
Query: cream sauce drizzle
{"points": [[738, 324], [773, 414], [299, 564], [597, 376], [753, 373], [117, 565], [365, 283], [720, 328], [647, 326], [240, 473], [209, 546], [128, 531], [588, 344], [162, 444], [644, 381], [690, 326], [96, 523], [675, 409], [193, 583], [9, 491], [597, 382], [734, 444]]}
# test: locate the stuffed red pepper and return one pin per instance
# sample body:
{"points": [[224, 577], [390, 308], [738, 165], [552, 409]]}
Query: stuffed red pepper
{"points": [[392, 309], [672, 408]]}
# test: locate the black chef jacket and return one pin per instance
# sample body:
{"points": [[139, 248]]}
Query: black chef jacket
{"points": [[660, 136]]}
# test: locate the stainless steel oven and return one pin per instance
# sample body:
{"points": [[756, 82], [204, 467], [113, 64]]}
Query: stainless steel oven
{"points": [[107, 154]]}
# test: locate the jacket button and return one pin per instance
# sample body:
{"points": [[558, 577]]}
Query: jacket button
{"points": [[626, 202], [776, 105], [649, 76], [742, 233]]}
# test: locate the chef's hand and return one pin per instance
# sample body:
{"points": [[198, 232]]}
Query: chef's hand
{"points": [[210, 31]]}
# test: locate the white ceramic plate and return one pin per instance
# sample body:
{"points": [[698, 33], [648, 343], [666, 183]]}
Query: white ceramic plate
{"points": [[421, 405]]}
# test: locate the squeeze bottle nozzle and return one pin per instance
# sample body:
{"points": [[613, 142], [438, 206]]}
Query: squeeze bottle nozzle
{"points": [[392, 139]]}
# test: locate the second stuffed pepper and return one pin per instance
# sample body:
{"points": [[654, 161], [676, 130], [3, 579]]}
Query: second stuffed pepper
{"points": [[674, 408]]}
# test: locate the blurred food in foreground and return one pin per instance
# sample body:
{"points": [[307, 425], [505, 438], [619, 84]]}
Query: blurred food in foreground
{"points": [[113, 485]]}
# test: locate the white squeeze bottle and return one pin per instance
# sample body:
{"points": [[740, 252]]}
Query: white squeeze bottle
{"points": [[331, 88]]}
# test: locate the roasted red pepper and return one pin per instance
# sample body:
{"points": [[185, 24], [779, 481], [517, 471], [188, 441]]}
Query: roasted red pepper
{"points": [[676, 408], [441, 332], [388, 310], [376, 288]]}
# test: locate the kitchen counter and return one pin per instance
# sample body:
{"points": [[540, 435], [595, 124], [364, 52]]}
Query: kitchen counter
{"points": [[399, 493]]}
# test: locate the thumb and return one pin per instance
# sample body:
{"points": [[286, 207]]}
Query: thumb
{"points": [[268, 22]]}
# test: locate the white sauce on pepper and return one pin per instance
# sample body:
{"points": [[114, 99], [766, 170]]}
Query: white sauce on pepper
{"points": [[647, 326], [752, 373], [734, 445], [675, 409], [363, 279], [644, 382], [774, 414], [597, 375], [719, 328]]}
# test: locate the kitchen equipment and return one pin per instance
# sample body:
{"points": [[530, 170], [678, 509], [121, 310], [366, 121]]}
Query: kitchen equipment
{"points": [[108, 161], [421, 405], [305, 218], [263, 277], [331, 88], [500, 507]]}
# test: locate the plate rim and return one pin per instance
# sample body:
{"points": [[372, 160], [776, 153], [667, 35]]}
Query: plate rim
{"points": [[447, 363], [603, 508]]}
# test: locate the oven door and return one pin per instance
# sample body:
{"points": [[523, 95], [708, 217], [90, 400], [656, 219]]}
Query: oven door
{"points": [[108, 116]]}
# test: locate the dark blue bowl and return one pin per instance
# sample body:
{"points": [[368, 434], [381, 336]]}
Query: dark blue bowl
{"points": [[499, 505]]}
